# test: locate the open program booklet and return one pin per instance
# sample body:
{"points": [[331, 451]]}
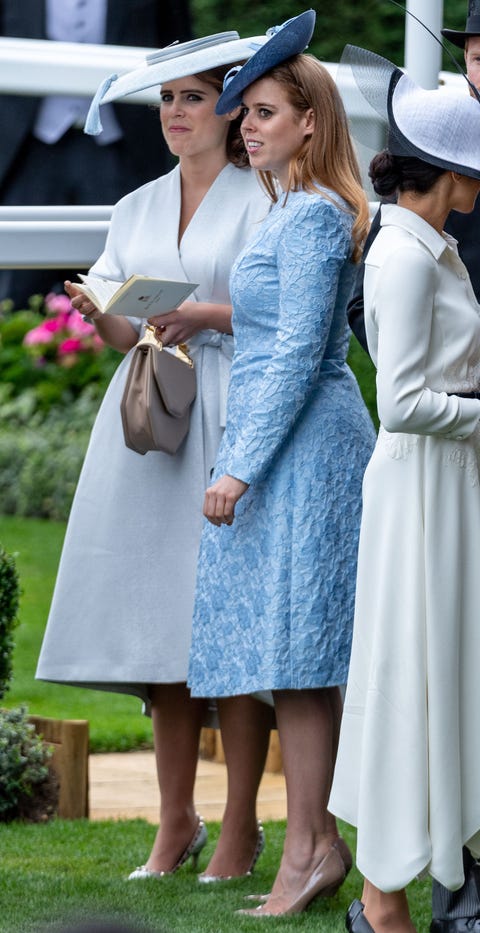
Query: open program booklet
{"points": [[139, 296]]}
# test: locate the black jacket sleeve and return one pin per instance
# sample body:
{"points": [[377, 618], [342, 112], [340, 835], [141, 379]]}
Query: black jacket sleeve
{"points": [[355, 309]]}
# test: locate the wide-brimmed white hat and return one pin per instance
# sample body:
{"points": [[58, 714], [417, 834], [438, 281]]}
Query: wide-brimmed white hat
{"points": [[439, 126], [168, 64]]}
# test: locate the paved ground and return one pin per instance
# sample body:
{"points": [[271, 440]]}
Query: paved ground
{"points": [[123, 786]]}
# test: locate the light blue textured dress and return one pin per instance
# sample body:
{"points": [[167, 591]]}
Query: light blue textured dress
{"points": [[275, 591]]}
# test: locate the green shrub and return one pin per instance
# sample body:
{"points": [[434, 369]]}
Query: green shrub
{"points": [[11, 459], [28, 789], [40, 461], [9, 597], [28, 786], [49, 473]]}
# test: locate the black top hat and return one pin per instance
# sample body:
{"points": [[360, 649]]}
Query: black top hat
{"points": [[472, 26]]}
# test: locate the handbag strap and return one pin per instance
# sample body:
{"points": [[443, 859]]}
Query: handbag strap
{"points": [[150, 339]]}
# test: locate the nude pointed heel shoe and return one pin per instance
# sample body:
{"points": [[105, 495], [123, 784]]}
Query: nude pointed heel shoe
{"points": [[339, 844], [345, 853], [195, 846], [259, 847], [324, 881], [355, 921]]}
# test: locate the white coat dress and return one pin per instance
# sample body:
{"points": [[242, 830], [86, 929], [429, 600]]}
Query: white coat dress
{"points": [[408, 765], [121, 612]]}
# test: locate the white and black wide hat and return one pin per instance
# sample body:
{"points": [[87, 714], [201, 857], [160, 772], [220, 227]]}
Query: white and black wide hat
{"points": [[472, 26], [439, 126], [168, 64]]}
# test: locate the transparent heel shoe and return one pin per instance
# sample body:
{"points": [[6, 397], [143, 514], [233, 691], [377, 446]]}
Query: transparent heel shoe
{"points": [[259, 847], [195, 846]]}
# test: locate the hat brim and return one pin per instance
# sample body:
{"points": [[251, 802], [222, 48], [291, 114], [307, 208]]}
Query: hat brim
{"points": [[289, 40], [438, 126], [154, 73], [458, 38]]}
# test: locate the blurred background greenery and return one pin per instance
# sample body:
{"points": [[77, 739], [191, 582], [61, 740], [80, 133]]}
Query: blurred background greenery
{"points": [[378, 25]]}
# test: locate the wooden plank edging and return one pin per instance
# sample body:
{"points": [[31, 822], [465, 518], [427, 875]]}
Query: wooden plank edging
{"points": [[70, 741]]}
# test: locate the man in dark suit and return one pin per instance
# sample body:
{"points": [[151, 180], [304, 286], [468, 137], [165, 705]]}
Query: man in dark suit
{"points": [[45, 158], [452, 911]]}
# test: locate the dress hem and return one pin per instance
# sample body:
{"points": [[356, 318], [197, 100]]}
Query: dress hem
{"points": [[261, 688]]}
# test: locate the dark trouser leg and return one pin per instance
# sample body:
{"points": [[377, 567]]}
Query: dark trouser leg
{"points": [[458, 911]]}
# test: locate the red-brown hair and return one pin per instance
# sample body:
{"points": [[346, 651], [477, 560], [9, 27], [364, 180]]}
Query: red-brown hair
{"points": [[236, 152], [327, 157]]}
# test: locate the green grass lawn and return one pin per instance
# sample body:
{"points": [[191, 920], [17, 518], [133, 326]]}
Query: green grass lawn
{"points": [[66, 871], [116, 721]]}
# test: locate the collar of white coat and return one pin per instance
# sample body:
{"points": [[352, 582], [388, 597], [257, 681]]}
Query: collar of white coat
{"points": [[436, 243]]}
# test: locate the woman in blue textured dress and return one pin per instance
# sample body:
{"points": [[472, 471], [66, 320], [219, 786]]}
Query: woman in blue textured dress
{"points": [[276, 577]]}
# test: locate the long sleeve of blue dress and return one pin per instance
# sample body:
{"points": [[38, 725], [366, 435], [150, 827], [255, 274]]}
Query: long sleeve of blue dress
{"points": [[308, 243]]}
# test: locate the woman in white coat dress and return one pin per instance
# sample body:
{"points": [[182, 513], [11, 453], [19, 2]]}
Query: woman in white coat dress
{"points": [[409, 756], [120, 619]]}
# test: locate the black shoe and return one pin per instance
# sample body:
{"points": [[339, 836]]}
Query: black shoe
{"points": [[460, 925], [355, 922]]}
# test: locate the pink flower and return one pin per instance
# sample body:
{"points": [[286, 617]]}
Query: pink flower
{"points": [[40, 334], [70, 345], [64, 332], [54, 324], [58, 303], [78, 326]]}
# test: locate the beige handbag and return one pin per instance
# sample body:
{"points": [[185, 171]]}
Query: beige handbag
{"points": [[158, 395]]}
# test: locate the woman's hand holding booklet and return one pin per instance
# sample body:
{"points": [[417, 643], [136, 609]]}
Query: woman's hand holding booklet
{"points": [[139, 296]]}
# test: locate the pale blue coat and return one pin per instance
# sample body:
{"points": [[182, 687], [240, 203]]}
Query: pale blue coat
{"points": [[275, 591]]}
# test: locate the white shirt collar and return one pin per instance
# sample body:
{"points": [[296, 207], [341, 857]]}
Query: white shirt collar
{"points": [[436, 243]]}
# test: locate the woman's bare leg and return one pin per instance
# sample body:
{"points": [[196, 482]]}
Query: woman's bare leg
{"points": [[308, 728], [386, 913], [245, 726], [177, 721]]}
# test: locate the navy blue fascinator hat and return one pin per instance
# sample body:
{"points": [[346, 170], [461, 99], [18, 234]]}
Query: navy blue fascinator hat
{"points": [[291, 38]]}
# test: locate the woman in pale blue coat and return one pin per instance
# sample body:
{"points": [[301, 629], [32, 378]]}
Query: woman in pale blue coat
{"points": [[276, 578]]}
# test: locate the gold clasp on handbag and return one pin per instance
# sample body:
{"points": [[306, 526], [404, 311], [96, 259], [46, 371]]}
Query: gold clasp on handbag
{"points": [[150, 339]]}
